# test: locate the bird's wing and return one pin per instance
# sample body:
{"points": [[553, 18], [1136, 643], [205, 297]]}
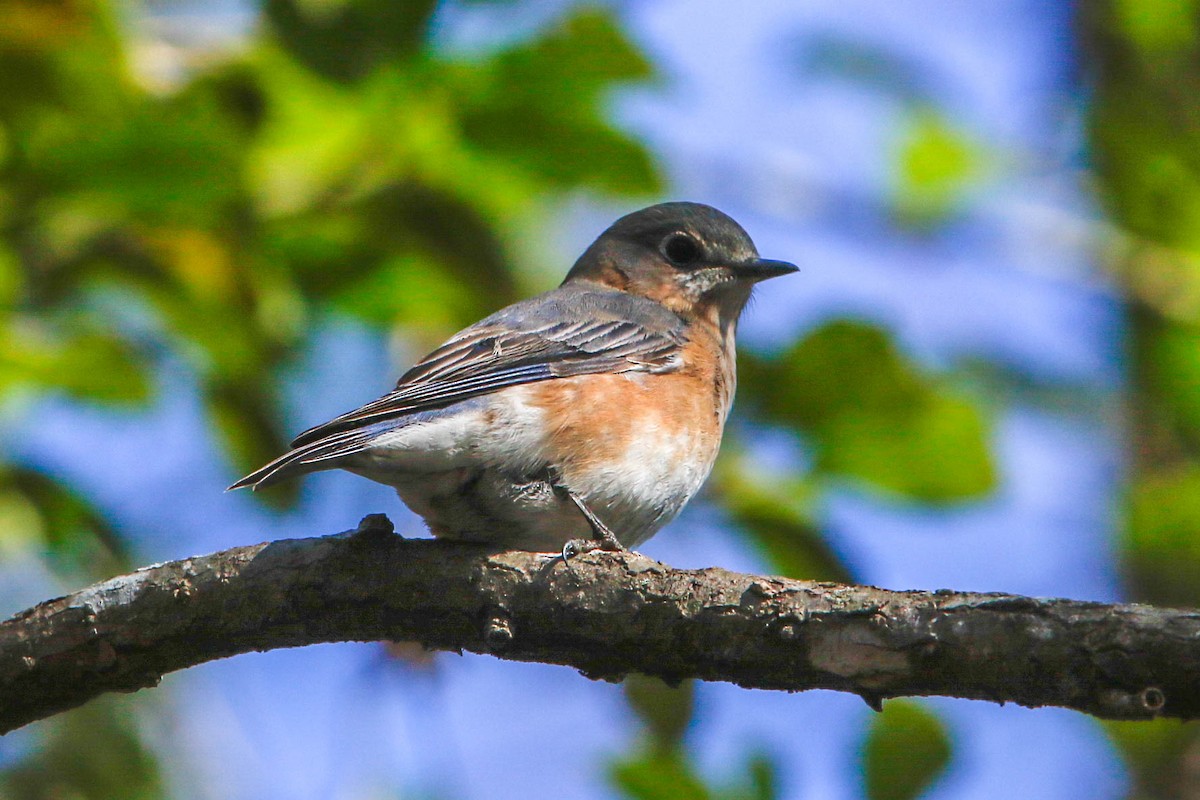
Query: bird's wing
{"points": [[554, 336]]}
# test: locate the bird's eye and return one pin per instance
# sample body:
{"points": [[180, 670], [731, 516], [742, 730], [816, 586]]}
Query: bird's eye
{"points": [[681, 250]]}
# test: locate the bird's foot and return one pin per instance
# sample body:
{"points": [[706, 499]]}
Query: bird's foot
{"points": [[577, 547]]}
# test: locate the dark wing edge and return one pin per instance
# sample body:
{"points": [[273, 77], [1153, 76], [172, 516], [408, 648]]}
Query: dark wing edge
{"points": [[309, 458]]}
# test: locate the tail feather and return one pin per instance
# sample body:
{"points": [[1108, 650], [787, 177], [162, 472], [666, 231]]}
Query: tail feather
{"points": [[311, 457]]}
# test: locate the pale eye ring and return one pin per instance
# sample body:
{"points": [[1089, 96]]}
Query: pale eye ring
{"points": [[681, 250]]}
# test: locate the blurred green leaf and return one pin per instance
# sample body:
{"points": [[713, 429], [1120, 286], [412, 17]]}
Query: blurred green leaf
{"points": [[668, 775], [1142, 126], [345, 39], [934, 166], [89, 753], [906, 749], [763, 780], [1153, 752], [665, 710], [564, 151], [660, 768], [11, 279], [50, 49], [1151, 181], [1168, 368], [872, 415], [541, 106], [88, 365], [1160, 549], [454, 252], [1158, 24], [937, 453], [426, 265], [41, 512], [779, 515], [659, 775], [173, 159], [21, 525], [409, 289]]}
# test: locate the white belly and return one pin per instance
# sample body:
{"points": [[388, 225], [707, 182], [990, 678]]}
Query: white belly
{"points": [[477, 471]]}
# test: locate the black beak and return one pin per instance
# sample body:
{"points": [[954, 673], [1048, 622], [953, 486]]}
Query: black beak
{"points": [[762, 268]]}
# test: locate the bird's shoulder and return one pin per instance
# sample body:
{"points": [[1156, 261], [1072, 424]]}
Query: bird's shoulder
{"points": [[561, 328]]}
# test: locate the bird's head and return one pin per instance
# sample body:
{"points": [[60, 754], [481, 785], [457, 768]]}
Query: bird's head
{"points": [[690, 257]]}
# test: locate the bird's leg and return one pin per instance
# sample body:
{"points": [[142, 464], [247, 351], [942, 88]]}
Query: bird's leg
{"points": [[603, 537]]}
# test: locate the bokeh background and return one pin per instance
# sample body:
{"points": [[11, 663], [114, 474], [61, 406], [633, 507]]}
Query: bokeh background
{"points": [[221, 222]]}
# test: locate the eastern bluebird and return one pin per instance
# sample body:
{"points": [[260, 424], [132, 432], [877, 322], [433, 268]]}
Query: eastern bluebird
{"points": [[583, 417]]}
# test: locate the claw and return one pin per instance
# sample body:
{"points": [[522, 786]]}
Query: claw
{"points": [[572, 548]]}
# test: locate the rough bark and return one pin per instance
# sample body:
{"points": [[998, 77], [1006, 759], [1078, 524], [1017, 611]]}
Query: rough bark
{"points": [[606, 615]]}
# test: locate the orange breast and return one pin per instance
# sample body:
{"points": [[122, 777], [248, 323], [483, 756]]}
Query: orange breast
{"points": [[599, 421]]}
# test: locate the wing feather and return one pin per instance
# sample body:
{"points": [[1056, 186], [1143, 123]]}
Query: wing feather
{"points": [[557, 335]]}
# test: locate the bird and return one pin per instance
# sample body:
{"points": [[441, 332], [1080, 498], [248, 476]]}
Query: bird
{"points": [[583, 418]]}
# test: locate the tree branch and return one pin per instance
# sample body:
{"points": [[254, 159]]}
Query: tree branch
{"points": [[606, 615]]}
